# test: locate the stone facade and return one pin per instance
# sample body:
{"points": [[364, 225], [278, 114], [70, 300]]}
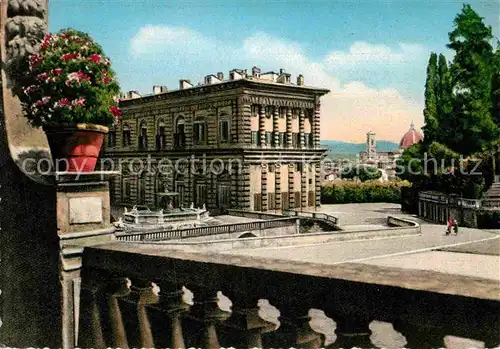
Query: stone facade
{"points": [[246, 143]]}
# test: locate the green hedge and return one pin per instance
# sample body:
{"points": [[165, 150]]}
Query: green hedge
{"points": [[343, 192]]}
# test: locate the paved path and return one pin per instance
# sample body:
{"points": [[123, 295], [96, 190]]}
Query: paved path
{"points": [[385, 249]]}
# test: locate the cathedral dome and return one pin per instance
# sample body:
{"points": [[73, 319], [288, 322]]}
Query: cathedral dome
{"points": [[411, 137]]}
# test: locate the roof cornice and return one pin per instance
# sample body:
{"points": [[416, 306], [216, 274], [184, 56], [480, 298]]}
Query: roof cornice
{"points": [[225, 86]]}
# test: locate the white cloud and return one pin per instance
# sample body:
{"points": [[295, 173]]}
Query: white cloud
{"points": [[348, 112], [278, 53], [157, 42], [362, 52]]}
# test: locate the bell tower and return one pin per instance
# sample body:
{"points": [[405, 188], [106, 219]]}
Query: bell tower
{"points": [[371, 145]]}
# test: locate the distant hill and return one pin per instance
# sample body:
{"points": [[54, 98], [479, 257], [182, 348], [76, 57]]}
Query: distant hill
{"points": [[346, 149]]}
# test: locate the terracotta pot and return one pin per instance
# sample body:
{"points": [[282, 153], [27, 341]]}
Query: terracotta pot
{"points": [[75, 148]]}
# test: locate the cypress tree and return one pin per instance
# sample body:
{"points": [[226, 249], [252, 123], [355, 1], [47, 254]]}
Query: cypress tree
{"points": [[444, 100], [431, 110]]}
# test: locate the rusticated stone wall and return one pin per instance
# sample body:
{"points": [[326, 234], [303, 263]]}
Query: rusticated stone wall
{"points": [[254, 113]]}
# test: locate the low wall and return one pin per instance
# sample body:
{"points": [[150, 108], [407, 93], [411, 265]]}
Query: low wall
{"points": [[399, 227], [253, 214], [401, 222]]}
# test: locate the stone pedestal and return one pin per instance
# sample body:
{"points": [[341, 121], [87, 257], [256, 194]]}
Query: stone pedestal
{"points": [[83, 219]]}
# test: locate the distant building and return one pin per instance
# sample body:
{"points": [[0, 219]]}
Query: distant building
{"points": [[387, 160], [411, 137]]}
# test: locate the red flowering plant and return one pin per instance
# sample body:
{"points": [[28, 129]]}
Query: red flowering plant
{"points": [[68, 81]]}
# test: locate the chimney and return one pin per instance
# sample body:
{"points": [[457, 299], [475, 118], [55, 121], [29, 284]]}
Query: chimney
{"points": [[208, 79], [183, 84], [220, 76], [300, 80], [133, 94], [159, 89], [256, 72]]}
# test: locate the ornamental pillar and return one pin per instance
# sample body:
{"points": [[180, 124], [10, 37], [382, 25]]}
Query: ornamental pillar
{"points": [[317, 184], [277, 186], [245, 188], [303, 185], [288, 127], [316, 125], [263, 188], [262, 125], [276, 136], [301, 129], [291, 189], [245, 117]]}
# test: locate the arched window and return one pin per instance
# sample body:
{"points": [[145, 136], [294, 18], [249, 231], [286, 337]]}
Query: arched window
{"points": [[161, 136], [223, 183], [112, 137], [143, 136], [199, 131], [224, 128], [180, 136], [125, 189], [126, 135]]}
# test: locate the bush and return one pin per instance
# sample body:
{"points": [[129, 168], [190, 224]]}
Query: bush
{"points": [[343, 192]]}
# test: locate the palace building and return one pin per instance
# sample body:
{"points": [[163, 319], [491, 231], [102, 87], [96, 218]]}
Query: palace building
{"points": [[250, 142]]}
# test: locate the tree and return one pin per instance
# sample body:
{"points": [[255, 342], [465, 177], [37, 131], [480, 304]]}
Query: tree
{"points": [[471, 77], [431, 104], [495, 87], [444, 99], [362, 172]]}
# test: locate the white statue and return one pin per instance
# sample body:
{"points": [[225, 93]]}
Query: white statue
{"points": [[203, 207], [126, 210], [192, 205]]}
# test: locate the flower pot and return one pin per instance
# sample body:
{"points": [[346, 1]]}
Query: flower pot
{"points": [[75, 148]]}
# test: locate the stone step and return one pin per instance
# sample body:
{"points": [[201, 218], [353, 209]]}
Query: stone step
{"points": [[491, 194], [493, 189], [491, 198], [491, 203]]}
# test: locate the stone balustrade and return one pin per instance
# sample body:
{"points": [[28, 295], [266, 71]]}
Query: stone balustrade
{"points": [[138, 295], [439, 207], [206, 231]]}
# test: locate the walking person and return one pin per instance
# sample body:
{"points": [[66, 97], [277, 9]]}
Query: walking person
{"points": [[449, 225]]}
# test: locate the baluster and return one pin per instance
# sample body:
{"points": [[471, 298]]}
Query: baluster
{"points": [[172, 304], [352, 332], [91, 330], [295, 330], [117, 288], [143, 295], [245, 324], [420, 337], [206, 310]]}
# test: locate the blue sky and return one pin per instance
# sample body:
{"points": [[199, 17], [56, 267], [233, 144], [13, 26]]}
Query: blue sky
{"points": [[371, 55]]}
